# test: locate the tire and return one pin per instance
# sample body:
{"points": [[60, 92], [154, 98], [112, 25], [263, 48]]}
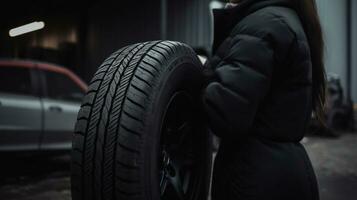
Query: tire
{"points": [[138, 133]]}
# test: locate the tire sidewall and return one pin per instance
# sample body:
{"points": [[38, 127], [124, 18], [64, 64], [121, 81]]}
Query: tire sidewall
{"points": [[183, 73]]}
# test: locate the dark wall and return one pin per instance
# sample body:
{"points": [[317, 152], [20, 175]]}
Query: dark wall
{"points": [[190, 22], [112, 26], [115, 25], [56, 43]]}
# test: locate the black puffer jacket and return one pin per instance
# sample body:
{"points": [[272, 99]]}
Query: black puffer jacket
{"points": [[260, 103]]}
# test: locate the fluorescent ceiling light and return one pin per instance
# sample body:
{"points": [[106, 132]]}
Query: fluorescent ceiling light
{"points": [[34, 26], [216, 5]]}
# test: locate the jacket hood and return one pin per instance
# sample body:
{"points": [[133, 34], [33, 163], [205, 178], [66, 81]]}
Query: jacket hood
{"points": [[225, 19]]}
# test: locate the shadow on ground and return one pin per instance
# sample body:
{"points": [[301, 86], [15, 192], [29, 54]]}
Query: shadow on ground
{"points": [[30, 177], [45, 177]]}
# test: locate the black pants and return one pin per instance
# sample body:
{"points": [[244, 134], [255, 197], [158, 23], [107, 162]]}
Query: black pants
{"points": [[255, 169]]}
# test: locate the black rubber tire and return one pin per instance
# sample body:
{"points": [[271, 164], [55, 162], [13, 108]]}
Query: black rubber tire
{"points": [[117, 135]]}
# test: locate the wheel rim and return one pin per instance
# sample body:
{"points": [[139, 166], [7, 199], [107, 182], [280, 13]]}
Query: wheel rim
{"points": [[178, 164]]}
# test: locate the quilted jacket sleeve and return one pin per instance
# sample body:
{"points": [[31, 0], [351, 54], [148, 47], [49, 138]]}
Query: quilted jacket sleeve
{"points": [[244, 74]]}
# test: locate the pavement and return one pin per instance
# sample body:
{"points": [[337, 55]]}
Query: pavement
{"points": [[35, 177], [44, 177], [335, 164]]}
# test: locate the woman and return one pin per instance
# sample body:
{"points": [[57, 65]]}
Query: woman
{"points": [[268, 77]]}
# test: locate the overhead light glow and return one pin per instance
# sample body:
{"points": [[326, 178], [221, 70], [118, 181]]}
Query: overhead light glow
{"points": [[216, 5], [34, 26]]}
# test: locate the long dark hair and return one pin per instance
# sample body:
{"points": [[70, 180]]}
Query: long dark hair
{"points": [[307, 11]]}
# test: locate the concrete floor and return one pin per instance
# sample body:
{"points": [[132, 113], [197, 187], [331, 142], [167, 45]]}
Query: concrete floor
{"points": [[47, 178], [35, 178], [335, 163]]}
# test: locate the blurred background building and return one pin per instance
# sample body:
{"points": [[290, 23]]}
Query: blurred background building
{"points": [[80, 35]]}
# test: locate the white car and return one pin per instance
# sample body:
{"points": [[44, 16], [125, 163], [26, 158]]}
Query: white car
{"points": [[39, 103]]}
